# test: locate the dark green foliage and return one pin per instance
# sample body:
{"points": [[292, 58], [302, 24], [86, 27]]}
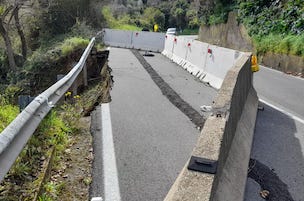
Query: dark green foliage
{"points": [[275, 25], [63, 15], [178, 13], [289, 44], [276, 17]]}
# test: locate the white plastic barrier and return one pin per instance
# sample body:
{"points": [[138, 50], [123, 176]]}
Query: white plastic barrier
{"points": [[207, 62], [141, 40], [117, 38]]}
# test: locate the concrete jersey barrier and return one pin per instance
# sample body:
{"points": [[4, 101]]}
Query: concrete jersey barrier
{"points": [[227, 138], [207, 62], [141, 40]]}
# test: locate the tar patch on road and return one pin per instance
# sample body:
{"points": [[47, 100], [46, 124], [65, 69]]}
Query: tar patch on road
{"points": [[269, 180], [172, 96]]}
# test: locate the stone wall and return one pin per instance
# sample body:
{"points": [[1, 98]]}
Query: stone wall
{"points": [[230, 35]]}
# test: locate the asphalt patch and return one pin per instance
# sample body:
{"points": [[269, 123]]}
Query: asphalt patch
{"points": [[269, 180], [172, 96]]}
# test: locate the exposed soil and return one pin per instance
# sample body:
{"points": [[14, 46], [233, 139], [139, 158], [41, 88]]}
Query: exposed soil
{"points": [[75, 168]]}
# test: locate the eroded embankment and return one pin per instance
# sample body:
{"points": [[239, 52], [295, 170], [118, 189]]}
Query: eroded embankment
{"points": [[56, 163]]}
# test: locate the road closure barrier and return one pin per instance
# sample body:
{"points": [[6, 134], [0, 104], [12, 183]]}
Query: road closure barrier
{"points": [[207, 62], [140, 40], [217, 169]]}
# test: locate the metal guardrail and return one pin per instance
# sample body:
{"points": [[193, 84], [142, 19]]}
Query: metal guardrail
{"points": [[15, 136]]}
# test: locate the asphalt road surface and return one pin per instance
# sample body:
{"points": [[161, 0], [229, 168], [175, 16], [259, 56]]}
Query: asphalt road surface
{"points": [[279, 135], [153, 139]]}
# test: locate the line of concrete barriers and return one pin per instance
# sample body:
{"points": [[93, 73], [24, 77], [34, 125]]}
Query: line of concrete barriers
{"points": [[226, 138]]}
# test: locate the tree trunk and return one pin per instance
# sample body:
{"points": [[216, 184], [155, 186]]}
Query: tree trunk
{"points": [[20, 32], [8, 45]]}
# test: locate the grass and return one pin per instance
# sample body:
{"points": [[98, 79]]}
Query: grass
{"points": [[289, 44], [8, 113], [53, 131], [122, 23], [70, 44], [189, 32]]}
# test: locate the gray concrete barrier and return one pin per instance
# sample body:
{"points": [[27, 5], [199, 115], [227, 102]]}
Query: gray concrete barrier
{"points": [[227, 138], [140, 40]]}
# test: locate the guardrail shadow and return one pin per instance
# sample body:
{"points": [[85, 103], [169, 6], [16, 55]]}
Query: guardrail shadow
{"points": [[279, 163]]}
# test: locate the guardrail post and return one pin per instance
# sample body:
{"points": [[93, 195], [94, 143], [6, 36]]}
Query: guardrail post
{"points": [[74, 88], [85, 75]]}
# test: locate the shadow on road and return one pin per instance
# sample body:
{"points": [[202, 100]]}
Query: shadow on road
{"points": [[278, 158]]}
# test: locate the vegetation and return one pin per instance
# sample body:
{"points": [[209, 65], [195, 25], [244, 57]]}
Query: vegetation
{"points": [[275, 26], [122, 22], [289, 44], [52, 34], [8, 112], [72, 44], [54, 131], [51, 132]]}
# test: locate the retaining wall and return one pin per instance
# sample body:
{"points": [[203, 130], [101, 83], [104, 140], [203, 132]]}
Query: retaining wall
{"points": [[226, 137]]}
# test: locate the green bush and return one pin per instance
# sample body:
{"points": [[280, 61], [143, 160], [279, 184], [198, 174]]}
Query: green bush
{"points": [[272, 17], [8, 113], [289, 44], [53, 131], [73, 43], [123, 22]]}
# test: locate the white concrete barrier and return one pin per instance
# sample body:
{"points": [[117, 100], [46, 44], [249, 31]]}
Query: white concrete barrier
{"points": [[141, 40], [117, 38], [169, 46], [179, 50], [151, 41], [196, 57], [207, 62], [218, 62]]}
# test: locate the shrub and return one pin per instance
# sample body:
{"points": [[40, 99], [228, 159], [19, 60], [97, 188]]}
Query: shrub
{"points": [[289, 44], [123, 22], [73, 43], [8, 113]]}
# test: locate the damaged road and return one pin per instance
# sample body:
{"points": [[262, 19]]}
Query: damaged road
{"points": [[153, 137]]}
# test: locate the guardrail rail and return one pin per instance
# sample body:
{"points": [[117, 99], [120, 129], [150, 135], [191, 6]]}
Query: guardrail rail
{"points": [[15, 136]]}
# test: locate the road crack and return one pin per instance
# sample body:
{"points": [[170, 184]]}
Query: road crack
{"points": [[172, 96]]}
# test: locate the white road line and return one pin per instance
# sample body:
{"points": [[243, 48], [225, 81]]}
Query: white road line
{"points": [[283, 111], [111, 184], [282, 73]]}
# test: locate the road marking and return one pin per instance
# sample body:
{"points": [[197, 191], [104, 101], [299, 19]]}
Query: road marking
{"points": [[294, 117], [282, 73], [96, 199], [111, 184]]}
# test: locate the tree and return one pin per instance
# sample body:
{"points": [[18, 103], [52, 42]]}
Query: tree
{"points": [[8, 12], [153, 16], [15, 13], [4, 33], [178, 11], [192, 19], [61, 15]]}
